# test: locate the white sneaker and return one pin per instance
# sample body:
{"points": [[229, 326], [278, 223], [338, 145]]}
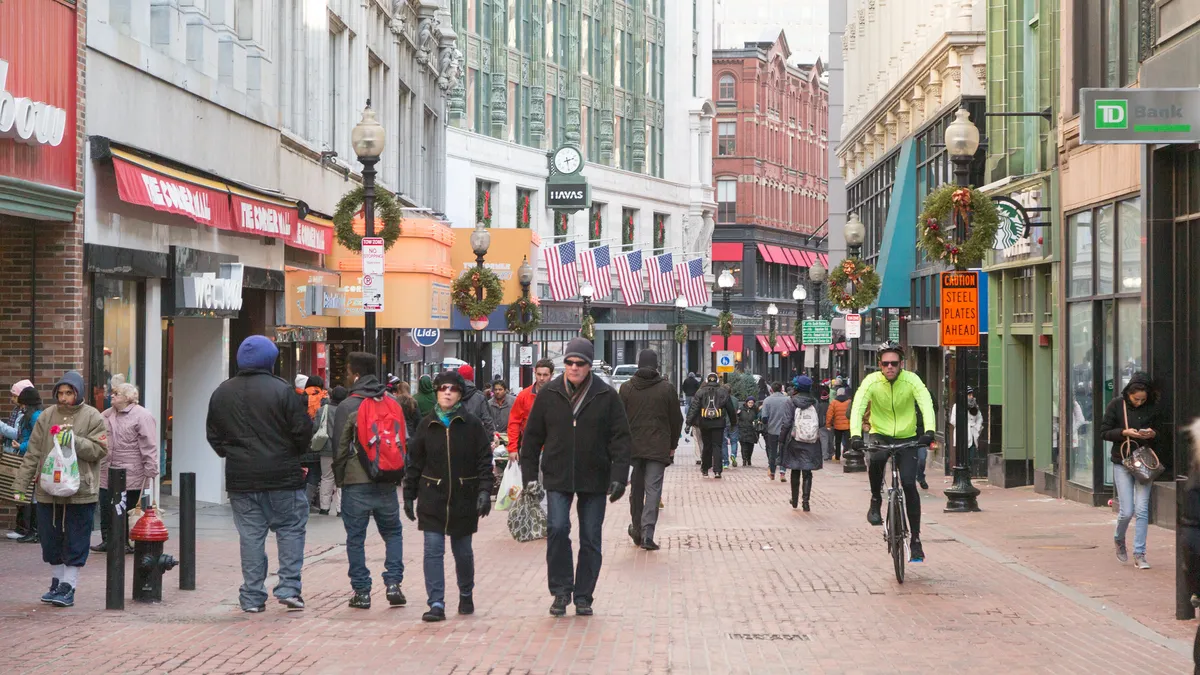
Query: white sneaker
{"points": [[14, 535]]}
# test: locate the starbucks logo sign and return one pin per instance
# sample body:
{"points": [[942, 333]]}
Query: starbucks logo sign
{"points": [[1013, 223]]}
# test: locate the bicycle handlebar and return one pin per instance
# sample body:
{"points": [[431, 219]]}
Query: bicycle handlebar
{"points": [[893, 447]]}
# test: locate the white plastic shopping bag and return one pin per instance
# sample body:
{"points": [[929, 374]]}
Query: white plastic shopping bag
{"points": [[60, 471], [510, 487]]}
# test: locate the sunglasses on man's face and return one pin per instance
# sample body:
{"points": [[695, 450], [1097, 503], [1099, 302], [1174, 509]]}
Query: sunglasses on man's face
{"points": [[889, 364], [449, 388], [576, 364]]}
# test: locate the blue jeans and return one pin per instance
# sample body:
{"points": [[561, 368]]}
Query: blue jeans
{"points": [[435, 566], [730, 444], [565, 578], [1134, 501], [284, 512], [359, 503]]}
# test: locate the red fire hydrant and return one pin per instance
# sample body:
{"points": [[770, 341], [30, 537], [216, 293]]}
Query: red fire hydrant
{"points": [[149, 561]]}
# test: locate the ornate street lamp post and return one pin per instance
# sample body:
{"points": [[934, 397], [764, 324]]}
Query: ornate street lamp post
{"points": [[799, 294], [481, 240], [525, 277], [586, 291], [962, 142], [817, 274], [367, 139], [772, 312], [680, 305], [855, 233], [725, 281]]}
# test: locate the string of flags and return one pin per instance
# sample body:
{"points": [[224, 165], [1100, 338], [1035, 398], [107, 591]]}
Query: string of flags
{"points": [[666, 277]]}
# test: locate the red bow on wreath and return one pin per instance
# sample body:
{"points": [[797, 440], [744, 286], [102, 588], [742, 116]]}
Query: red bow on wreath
{"points": [[487, 204]]}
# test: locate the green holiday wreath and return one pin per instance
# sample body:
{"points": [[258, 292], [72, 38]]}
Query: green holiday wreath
{"points": [[947, 206], [862, 279], [349, 205], [523, 316], [798, 331], [462, 293], [681, 333], [588, 329], [772, 337], [483, 207], [725, 322]]}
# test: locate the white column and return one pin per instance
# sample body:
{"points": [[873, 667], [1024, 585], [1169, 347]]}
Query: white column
{"points": [[205, 342], [152, 393]]}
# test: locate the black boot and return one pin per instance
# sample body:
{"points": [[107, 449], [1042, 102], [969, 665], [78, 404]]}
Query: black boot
{"points": [[795, 489], [873, 516], [808, 477]]}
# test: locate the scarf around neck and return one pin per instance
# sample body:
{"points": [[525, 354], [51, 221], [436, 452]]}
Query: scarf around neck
{"points": [[444, 416], [575, 394]]}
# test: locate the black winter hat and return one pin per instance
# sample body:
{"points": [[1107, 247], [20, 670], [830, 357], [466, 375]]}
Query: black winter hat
{"points": [[581, 348], [338, 394], [648, 358], [450, 377]]}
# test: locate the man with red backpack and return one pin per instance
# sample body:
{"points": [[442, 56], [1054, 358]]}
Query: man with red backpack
{"points": [[368, 465]]}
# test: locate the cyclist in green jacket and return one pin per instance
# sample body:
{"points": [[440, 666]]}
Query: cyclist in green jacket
{"points": [[891, 393]]}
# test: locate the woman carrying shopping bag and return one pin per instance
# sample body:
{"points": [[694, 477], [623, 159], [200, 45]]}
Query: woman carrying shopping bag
{"points": [[1130, 423]]}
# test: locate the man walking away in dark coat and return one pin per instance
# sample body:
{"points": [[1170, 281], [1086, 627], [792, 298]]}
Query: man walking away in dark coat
{"points": [[257, 423], [578, 434], [655, 422], [712, 409]]}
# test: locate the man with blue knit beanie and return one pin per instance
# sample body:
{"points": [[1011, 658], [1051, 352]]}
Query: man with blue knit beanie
{"points": [[258, 426]]}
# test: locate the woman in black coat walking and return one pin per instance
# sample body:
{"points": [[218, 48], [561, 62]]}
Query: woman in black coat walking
{"points": [[449, 479], [802, 457], [747, 425]]}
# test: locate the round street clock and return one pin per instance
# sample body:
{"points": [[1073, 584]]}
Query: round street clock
{"points": [[568, 160]]}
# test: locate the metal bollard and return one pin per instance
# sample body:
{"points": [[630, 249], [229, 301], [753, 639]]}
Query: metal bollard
{"points": [[114, 584], [187, 531], [149, 561]]}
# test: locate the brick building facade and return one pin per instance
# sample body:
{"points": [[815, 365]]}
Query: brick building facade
{"points": [[42, 294], [771, 176]]}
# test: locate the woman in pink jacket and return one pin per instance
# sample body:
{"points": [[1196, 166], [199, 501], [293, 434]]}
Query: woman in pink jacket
{"points": [[133, 446]]}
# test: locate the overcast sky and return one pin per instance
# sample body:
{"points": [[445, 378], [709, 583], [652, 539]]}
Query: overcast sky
{"points": [[806, 23]]}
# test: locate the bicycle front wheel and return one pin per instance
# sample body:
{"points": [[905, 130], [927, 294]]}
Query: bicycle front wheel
{"points": [[896, 535]]}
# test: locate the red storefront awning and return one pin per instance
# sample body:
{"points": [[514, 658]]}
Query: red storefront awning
{"points": [[778, 255], [762, 342], [824, 260], [791, 257], [726, 252], [790, 343], [766, 255], [717, 343], [806, 259]]}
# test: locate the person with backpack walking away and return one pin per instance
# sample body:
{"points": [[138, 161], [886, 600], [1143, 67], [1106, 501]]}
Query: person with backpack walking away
{"points": [[837, 418], [711, 411], [655, 422], [260, 427], [368, 465], [68, 442], [447, 489], [801, 437], [578, 434], [748, 423]]}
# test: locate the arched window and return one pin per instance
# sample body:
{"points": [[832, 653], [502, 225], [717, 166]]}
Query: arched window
{"points": [[726, 88]]}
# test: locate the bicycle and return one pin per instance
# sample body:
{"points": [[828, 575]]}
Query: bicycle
{"points": [[895, 525]]}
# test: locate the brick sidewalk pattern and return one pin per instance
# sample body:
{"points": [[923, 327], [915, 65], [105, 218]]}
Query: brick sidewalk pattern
{"points": [[743, 584]]}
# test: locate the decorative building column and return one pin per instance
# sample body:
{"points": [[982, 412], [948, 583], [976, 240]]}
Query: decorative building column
{"points": [[499, 69], [638, 88], [457, 97], [537, 88], [573, 133], [607, 90]]}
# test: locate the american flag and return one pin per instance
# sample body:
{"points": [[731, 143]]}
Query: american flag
{"points": [[594, 266], [691, 280], [629, 271], [560, 268], [662, 279]]}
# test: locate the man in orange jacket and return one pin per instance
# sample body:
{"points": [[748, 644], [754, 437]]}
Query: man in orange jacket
{"points": [[542, 373], [838, 419]]}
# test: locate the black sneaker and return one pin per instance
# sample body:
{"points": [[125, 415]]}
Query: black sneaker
{"points": [[31, 538], [49, 595], [649, 545], [915, 552], [323, 512], [583, 608], [635, 536], [294, 603], [361, 600], [395, 596], [102, 547], [873, 516], [64, 596], [466, 604], [705, 473], [434, 615], [559, 607], [924, 485], [717, 475]]}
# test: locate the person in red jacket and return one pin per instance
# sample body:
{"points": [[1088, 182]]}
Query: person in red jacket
{"points": [[542, 373]]}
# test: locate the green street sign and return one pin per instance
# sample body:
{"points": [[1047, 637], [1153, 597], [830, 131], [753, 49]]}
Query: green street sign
{"points": [[1146, 116], [894, 329], [816, 332]]}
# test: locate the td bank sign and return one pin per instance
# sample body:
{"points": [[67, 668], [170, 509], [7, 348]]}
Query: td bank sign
{"points": [[1139, 115]]}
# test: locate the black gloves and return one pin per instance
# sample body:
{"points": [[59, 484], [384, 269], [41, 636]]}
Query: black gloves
{"points": [[616, 490], [856, 443], [926, 439], [408, 509], [483, 505]]}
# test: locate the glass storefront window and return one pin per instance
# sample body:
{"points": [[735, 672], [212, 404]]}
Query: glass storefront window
{"points": [[1129, 222], [1105, 250], [115, 323], [1079, 465], [1079, 250], [1129, 340]]}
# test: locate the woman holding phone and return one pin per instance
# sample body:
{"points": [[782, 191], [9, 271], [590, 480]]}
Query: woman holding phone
{"points": [[1133, 416]]}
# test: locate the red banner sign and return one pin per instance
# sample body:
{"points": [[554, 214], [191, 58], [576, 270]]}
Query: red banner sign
{"points": [[205, 205], [311, 236]]}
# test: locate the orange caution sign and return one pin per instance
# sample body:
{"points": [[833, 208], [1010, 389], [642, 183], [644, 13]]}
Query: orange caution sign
{"points": [[960, 309]]}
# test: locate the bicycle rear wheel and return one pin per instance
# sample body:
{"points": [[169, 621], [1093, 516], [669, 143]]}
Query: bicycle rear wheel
{"points": [[896, 534]]}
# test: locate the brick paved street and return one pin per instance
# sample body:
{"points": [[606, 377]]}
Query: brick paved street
{"points": [[743, 584]]}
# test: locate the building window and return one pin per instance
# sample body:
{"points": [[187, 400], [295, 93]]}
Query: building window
{"points": [[485, 202], [726, 200], [117, 323], [726, 88], [726, 137], [628, 228], [660, 233], [596, 224], [524, 209]]}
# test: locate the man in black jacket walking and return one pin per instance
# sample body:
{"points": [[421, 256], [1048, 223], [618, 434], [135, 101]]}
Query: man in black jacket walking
{"points": [[712, 410], [258, 425], [578, 434], [654, 425]]}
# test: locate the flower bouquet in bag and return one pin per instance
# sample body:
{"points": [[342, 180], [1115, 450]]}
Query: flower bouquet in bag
{"points": [[60, 470]]}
